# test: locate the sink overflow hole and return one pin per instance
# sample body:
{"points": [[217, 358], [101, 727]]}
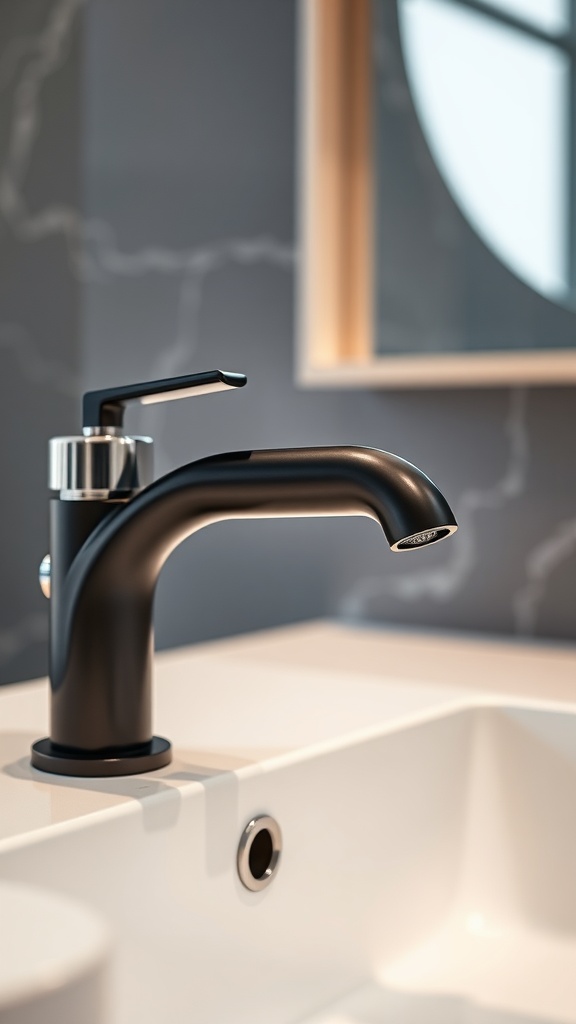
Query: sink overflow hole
{"points": [[260, 856], [259, 852]]}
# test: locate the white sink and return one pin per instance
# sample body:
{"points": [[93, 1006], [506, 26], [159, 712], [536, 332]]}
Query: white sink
{"points": [[493, 939], [428, 870]]}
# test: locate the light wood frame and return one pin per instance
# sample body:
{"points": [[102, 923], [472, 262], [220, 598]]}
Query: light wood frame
{"points": [[336, 214]]}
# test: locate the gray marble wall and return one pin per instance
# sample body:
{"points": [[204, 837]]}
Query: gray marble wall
{"points": [[147, 152], [40, 190]]}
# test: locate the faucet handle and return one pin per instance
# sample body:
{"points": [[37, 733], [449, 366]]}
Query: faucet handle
{"points": [[105, 408]]}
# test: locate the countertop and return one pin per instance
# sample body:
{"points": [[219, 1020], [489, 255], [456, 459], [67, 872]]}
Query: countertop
{"points": [[239, 704]]}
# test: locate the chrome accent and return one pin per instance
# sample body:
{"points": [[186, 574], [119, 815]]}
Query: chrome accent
{"points": [[44, 572], [245, 863], [103, 432], [99, 465]]}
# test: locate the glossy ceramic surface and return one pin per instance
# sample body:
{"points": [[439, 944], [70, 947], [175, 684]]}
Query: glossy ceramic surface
{"points": [[53, 959]]}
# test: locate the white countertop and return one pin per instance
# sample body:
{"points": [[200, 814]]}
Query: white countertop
{"points": [[239, 704]]}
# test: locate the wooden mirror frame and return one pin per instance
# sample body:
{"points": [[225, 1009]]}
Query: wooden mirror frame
{"points": [[336, 217]]}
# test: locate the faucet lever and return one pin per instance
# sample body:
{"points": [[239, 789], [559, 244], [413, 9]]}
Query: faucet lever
{"points": [[105, 408]]}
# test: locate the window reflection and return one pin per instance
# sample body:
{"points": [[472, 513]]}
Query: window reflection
{"points": [[549, 15]]}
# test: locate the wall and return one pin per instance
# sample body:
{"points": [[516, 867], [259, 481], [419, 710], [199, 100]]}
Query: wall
{"points": [[189, 261], [40, 183]]}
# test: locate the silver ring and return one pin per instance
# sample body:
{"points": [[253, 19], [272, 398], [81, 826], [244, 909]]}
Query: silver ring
{"points": [[259, 852]]}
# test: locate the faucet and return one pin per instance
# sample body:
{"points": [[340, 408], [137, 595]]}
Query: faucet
{"points": [[112, 529]]}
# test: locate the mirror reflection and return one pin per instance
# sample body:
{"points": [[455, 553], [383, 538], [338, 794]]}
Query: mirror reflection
{"points": [[493, 83]]}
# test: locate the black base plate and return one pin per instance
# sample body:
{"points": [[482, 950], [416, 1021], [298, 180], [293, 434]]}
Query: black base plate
{"points": [[49, 757]]}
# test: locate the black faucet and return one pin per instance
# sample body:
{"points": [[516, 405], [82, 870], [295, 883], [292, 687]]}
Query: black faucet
{"points": [[112, 530]]}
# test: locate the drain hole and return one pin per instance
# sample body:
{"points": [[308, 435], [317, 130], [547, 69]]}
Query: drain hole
{"points": [[260, 856], [259, 852]]}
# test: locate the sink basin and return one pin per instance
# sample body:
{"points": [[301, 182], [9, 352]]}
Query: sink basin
{"points": [[429, 841], [494, 939], [53, 959]]}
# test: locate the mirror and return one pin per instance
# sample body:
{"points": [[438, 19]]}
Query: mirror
{"points": [[494, 88], [438, 192]]}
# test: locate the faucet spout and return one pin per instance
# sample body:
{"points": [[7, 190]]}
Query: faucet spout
{"points": [[102, 600]]}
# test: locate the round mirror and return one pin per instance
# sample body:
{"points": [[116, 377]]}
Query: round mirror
{"points": [[494, 86]]}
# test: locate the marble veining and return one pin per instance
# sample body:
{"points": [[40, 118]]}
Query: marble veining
{"points": [[92, 246], [554, 550]]}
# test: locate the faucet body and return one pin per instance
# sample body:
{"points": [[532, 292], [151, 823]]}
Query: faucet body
{"points": [[107, 556]]}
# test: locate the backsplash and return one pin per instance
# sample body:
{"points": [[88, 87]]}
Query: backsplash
{"points": [[147, 228]]}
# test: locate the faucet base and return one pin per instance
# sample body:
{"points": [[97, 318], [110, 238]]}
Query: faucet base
{"points": [[147, 757]]}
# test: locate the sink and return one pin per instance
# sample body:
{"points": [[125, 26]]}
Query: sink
{"points": [[496, 943], [53, 959], [428, 837]]}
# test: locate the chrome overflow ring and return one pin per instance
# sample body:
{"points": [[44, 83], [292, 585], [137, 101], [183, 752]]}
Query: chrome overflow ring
{"points": [[259, 852]]}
